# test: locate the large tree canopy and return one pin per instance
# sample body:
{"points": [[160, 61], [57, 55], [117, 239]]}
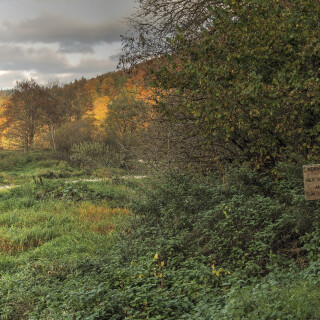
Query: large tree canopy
{"points": [[249, 77], [24, 113]]}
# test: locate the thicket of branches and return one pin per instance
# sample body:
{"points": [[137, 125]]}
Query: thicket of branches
{"points": [[156, 21]]}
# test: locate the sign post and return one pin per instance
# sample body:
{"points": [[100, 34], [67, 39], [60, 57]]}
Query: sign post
{"points": [[311, 177]]}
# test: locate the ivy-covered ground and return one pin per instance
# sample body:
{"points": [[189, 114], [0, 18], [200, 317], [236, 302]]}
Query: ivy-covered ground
{"points": [[177, 246]]}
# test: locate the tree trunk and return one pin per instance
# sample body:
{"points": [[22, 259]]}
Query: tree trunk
{"points": [[52, 138]]}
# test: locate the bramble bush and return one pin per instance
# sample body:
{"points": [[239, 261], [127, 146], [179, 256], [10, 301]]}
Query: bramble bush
{"points": [[240, 224]]}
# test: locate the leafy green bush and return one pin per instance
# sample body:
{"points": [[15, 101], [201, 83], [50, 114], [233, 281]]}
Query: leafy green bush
{"points": [[283, 294], [248, 222]]}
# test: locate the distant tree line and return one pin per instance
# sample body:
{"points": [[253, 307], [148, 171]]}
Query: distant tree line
{"points": [[108, 109]]}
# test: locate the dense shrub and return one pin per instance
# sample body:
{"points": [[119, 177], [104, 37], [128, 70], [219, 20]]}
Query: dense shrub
{"points": [[247, 222], [72, 133], [92, 154]]}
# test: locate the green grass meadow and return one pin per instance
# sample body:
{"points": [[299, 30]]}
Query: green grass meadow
{"points": [[82, 244]]}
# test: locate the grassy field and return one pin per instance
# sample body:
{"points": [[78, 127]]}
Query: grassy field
{"points": [[51, 224], [97, 244]]}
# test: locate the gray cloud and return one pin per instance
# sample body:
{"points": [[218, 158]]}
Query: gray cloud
{"points": [[92, 66], [60, 39], [114, 57], [46, 60], [8, 79], [76, 47], [14, 57], [71, 35]]}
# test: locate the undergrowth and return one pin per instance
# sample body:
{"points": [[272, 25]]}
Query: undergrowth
{"points": [[174, 247]]}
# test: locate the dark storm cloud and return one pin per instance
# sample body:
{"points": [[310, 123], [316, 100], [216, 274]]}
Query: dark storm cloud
{"points": [[71, 35]]}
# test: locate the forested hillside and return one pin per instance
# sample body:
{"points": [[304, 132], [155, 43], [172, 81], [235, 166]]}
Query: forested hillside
{"points": [[32, 113]]}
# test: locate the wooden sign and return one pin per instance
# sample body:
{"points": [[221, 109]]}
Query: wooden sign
{"points": [[311, 177]]}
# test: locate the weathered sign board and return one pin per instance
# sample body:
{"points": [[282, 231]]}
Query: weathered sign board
{"points": [[311, 177]]}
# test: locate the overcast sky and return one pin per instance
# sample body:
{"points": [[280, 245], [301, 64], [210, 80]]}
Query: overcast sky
{"points": [[59, 39]]}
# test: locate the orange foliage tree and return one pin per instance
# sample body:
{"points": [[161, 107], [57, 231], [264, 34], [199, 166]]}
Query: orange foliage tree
{"points": [[25, 113]]}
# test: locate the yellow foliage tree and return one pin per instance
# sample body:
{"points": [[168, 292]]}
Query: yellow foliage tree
{"points": [[100, 109]]}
